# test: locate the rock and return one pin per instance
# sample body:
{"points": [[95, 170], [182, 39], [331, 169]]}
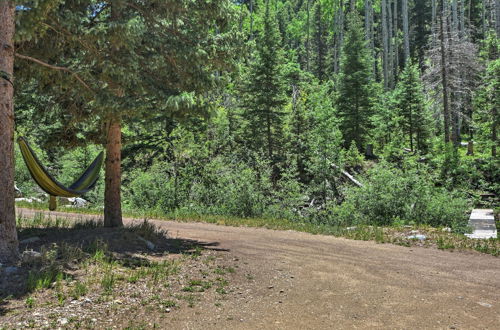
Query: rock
{"points": [[63, 321], [75, 202], [18, 192], [31, 257], [446, 229], [485, 304], [167, 310], [418, 237], [149, 244], [30, 240]]}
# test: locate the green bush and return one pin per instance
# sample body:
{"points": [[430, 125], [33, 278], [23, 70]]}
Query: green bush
{"points": [[394, 196]]}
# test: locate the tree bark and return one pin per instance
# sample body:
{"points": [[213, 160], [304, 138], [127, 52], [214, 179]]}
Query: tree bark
{"points": [[339, 22], [385, 50], [396, 40], [406, 32], [391, 45], [369, 31], [483, 18], [308, 36], [497, 17], [251, 19], [112, 188], [444, 81], [494, 125], [8, 235]]}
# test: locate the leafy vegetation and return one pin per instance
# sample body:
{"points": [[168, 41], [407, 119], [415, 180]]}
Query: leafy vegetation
{"points": [[325, 114]]}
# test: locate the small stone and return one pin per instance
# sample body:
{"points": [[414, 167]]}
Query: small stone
{"points": [[63, 321], [167, 310], [149, 244], [270, 287], [485, 304], [31, 257], [93, 320], [446, 229], [417, 237]]}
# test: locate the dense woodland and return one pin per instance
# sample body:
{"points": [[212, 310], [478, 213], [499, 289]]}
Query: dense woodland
{"points": [[336, 112]]}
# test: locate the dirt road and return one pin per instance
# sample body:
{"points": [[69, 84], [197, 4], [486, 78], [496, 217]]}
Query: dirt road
{"points": [[303, 281]]}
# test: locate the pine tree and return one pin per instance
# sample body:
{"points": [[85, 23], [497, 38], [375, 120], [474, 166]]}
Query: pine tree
{"points": [[355, 85], [319, 43], [135, 59], [263, 92], [411, 106], [8, 235]]}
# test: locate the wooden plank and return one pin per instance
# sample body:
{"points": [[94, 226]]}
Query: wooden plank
{"points": [[483, 223]]}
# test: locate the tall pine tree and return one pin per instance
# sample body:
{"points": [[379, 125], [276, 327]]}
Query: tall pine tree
{"points": [[263, 92], [411, 106], [355, 84]]}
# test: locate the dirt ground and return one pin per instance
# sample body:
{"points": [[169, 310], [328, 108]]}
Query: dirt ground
{"points": [[304, 281]]}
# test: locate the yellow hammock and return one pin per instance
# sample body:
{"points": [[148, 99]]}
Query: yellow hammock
{"points": [[53, 187]]}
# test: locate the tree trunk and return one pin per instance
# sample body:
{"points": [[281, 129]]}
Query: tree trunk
{"points": [[497, 17], [406, 32], [494, 125], [385, 50], [112, 193], [369, 31], [340, 36], [462, 19], [251, 19], [396, 40], [308, 36], [391, 45], [8, 235], [444, 82], [483, 18]]}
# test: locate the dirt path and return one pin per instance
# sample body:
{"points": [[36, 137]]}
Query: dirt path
{"points": [[303, 281]]}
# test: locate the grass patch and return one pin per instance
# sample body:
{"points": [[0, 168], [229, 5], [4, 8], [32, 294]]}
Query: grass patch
{"points": [[393, 235]]}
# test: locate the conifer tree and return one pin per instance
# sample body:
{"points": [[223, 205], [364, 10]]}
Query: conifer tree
{"points": [[8, 235], [263, 91], [411, 106], [355, 84], [136, 59], [319, 43]]}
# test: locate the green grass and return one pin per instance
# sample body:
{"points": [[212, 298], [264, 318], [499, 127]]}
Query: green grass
{"points": [[367, 233]]}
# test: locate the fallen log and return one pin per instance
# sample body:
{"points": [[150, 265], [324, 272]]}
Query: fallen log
{"points": [[348, 176]]}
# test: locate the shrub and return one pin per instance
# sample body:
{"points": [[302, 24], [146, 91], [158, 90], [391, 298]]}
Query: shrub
{"points": [[401, 196]]}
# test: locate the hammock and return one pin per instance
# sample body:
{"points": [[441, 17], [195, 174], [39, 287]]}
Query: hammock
{"points": [[53, 187]]}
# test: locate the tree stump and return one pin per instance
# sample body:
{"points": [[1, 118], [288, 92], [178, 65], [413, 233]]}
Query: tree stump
{"points": [[470, 148]]}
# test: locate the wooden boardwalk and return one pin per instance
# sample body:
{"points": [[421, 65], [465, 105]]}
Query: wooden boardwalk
{"points": [[483, 223]]}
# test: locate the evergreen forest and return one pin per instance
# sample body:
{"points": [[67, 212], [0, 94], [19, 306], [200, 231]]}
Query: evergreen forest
{"points": [[331, 113]]}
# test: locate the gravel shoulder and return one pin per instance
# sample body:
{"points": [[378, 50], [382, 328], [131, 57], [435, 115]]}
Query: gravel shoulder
{"points": [[304, 281]]}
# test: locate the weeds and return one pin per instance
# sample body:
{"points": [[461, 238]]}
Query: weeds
{"points": [[79, 290]]}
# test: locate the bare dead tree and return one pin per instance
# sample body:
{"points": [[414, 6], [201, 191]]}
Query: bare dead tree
{"points": [[453, 73]]}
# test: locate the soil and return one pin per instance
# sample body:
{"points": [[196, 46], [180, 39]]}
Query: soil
{"points": [[294, 280]]}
